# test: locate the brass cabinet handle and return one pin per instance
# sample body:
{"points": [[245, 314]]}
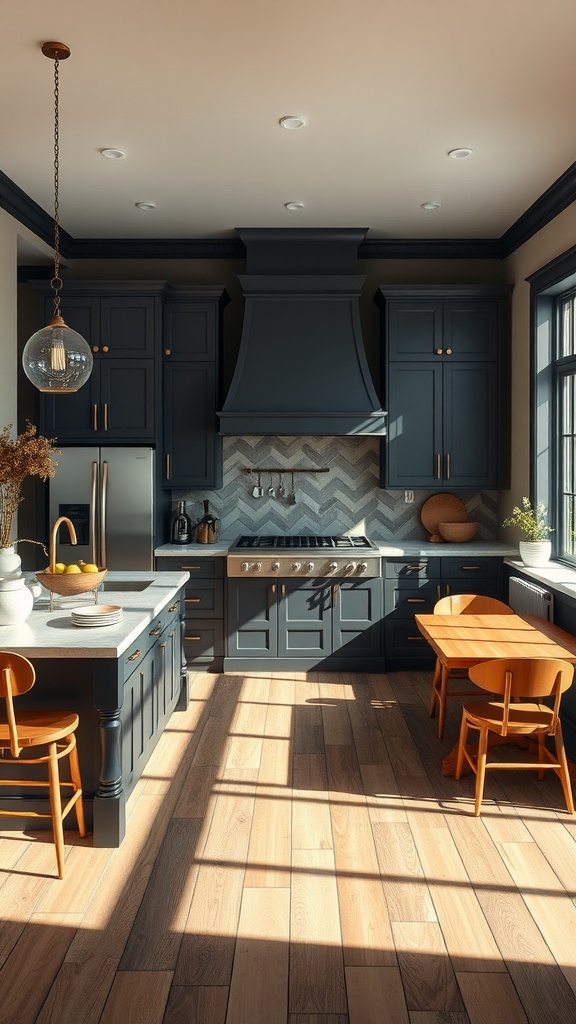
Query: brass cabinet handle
{"points": [[105, 415], [273, 588], [192, 637], [447, 590], [155, 632], [194, 567], [335, 592], [105, 348], [191, 600], [135, 655], [94, 417], [438, 351], [416, 638], [470, 568], [163, 644], [438, 465], [283, 590], [173, 607], [438, 591], [416, 568], [448, 467], [167, 465], [416, 600]]}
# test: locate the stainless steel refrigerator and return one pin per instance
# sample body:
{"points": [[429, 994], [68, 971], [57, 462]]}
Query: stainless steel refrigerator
{"points": [[107, 493]]}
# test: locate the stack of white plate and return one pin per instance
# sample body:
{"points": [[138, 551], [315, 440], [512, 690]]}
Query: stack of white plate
{"points": [[96, 615]]}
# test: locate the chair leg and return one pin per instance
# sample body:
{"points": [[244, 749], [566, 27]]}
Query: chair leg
{"points": [[564, 773], [461, 746], [56, 807], [442, 701], [434, 696], [77, 783], [480, 770], [541, 755]]}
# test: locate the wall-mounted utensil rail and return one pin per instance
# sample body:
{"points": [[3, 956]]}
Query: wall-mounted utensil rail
{"points": [[284, 469]]}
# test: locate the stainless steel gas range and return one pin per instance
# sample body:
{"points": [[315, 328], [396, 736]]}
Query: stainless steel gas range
{"points": [[304, 556]]}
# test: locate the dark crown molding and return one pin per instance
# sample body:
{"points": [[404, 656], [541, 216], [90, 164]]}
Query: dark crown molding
{"points": [[556, 198]]}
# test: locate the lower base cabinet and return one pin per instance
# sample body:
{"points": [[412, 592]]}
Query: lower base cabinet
{"points": [[301, 624], [203, 636], [414, 586]]}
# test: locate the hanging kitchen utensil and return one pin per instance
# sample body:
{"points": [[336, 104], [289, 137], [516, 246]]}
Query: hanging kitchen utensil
{"points": [[271, 489], [258, 490], [281, 488], [291, 499]]}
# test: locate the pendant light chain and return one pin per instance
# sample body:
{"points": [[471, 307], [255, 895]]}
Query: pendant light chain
{"points": [[56, 281]]}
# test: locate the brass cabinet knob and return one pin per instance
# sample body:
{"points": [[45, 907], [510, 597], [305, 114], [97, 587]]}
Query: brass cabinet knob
{"points": [[448, 351], [167, 351], [95, 348], [438, 351], [105, 348]]}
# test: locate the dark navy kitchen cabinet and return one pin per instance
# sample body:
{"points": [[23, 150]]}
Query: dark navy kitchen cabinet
{"points": [[304, 619], [203, 638], [443, 365], [191, 387], [357, 619], [121, 323], [252, 619]]}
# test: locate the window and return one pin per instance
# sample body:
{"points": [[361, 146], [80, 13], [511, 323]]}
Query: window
{"points": [[565, 402]]}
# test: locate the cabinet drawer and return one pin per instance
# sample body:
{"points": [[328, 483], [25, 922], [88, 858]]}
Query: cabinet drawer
{"points": [[196, 565], [405, 599], [471, 567], [403, 639], [203, 640], [204, 599], [134, 656], [415, 568]]}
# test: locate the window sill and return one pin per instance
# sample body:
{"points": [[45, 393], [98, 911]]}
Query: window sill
{"points": [[556, 576]]}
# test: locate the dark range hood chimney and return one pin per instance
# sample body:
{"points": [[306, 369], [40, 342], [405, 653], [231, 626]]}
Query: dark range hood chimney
{"points": [[302, 366]]}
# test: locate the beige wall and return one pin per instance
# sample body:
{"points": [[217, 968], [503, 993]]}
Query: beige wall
{"points": [[8, 352], [550, 242]]}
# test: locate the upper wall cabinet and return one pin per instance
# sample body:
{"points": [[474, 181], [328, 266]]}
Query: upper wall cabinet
{"points": [[121, 322], [191, 387], [444, 372]]}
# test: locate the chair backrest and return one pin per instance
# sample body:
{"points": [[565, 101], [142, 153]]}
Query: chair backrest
{"points": [[471, 604], [17, 675], [528, 678]]}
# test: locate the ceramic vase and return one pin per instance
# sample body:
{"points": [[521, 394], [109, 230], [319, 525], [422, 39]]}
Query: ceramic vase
{"points": [[16, 600], [536, 552], [10, 562]]}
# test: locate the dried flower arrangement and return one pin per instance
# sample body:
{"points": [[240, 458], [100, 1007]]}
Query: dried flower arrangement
{"points": [[28, 455]]}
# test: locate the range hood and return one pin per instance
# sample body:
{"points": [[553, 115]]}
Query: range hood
{"points": [[302, 367]]}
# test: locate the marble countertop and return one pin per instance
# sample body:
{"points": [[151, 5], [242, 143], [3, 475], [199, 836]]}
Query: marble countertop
{"points": [[385, 548], [47, 634]]}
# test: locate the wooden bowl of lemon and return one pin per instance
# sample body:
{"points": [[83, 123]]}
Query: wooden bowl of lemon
{"points": [[69, 580]]}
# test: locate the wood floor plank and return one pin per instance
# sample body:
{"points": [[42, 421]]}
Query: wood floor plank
{"points": [[334, 701], [316, 964], [246, 732], [29, 971], [407, 893], [438, 1017], [259, 985], [311, 821], [382, 794], [270, 847], [138, 997], [369, 990], [427, 975], [491, 999], [196, 1005]]}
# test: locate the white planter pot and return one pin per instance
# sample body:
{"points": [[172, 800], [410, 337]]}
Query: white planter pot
{"points": [[10, 562], [535, 552], [16, 601]]}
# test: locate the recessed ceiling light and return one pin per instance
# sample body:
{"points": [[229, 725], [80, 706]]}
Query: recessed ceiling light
{"points": [[430, 206], [113, 154], [461, 153], [145, 206], [292, 122], [296, 205]]}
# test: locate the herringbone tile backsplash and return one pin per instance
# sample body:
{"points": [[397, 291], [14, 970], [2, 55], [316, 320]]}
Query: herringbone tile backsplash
{"points": [[347, 498]]}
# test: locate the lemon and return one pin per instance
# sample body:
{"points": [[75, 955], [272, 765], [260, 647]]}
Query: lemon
{"points": [[89, 567], [59, 568], [72, 568]]}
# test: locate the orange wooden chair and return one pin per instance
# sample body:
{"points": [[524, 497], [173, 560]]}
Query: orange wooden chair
{"points": [[459, 604], [522, 682], [53, 730]]}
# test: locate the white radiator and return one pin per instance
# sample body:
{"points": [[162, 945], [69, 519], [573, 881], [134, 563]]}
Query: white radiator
{"points": [[528, 599]]}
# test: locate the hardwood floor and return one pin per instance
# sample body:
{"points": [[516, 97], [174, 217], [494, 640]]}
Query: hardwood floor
{"points": [[295, 856]]}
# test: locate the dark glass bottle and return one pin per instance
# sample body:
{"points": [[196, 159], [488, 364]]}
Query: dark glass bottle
{"points": [[181, 526], [207, 528]]}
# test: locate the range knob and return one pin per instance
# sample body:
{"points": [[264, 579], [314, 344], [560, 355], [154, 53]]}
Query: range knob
{"points": [[296, 566], [275, 566], [350, 568], [257, 566], [309, 566], [245, 566], [363, 566], [332, 566]]}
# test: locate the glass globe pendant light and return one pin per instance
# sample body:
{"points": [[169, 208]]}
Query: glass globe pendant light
{"points": [[57, 359]]}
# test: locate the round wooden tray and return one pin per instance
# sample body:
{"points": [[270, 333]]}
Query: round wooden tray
{"points": [[442, 508]]}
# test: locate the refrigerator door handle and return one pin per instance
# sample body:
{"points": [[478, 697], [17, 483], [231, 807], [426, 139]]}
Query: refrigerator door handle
{"points": [[94, 492], [103, 499]]}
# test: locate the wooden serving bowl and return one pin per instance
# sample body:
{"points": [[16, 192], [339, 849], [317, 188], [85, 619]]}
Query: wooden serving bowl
{"points": [[457, 533], [70, 584]]}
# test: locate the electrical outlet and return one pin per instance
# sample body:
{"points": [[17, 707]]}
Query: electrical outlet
{"points": [[408, 497]]}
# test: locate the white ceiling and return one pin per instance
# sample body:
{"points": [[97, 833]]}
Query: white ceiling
{"points": [[193, 90]]}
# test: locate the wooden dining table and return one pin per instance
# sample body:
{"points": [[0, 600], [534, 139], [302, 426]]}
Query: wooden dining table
{"points": [[460, 641]]}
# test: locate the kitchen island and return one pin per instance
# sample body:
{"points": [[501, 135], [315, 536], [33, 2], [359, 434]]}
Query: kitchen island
{"points": [[124, 681]]}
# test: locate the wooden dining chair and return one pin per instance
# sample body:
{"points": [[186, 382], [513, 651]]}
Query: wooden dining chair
{"points": [[53, 731], [458, 604], [523, 683]]}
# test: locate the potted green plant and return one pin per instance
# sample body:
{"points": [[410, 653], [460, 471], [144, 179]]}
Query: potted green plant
{"points": [[532, 522]]}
